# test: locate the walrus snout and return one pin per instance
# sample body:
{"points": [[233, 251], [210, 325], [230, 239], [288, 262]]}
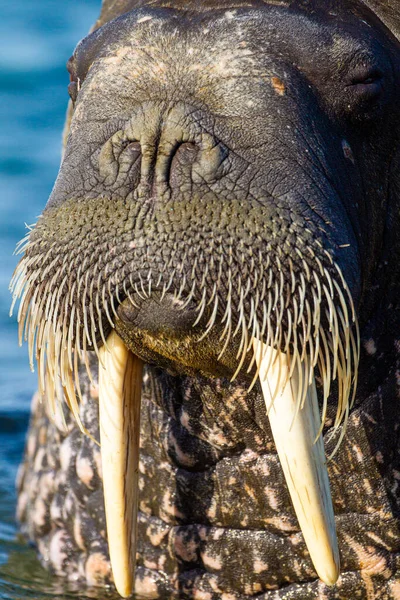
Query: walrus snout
{"points": [[205, 176]]}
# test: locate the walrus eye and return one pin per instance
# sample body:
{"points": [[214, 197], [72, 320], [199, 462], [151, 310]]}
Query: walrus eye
{"points": [[364, 93], [367, 83], [74, 81], [73, 90]]}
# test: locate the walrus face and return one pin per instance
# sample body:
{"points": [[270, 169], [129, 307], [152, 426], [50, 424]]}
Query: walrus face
{"points": [[220, 176]]}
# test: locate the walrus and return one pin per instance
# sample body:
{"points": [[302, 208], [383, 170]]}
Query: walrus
{"points": [[212, 299]]}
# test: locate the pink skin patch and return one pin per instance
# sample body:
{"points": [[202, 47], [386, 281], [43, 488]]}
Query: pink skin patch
{"points": [[212, 563], [259, 566], [84, 470], [65, 454], [56, 553], [97, 568], [78, 534], [147, 588], [200, 595]]}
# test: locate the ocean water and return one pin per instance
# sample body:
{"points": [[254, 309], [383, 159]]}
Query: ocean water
{"points": [[36, 39]]}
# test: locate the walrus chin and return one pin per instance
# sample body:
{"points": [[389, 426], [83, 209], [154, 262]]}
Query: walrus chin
{"points": [[287, 322]]}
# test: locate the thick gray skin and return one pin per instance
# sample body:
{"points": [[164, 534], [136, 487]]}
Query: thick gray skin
{"points": [[307, 151]]}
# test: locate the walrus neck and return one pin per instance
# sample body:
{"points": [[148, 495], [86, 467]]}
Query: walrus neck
{"points": [[379, 313], [380, 346]]}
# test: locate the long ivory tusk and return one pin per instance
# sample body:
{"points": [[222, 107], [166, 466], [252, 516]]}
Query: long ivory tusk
{"points": [[303, 461], [120, 384]]}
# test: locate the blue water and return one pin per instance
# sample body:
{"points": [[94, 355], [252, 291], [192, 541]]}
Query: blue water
{"points": [[36, 39]]}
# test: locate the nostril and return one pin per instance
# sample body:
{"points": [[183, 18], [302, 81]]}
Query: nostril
{"points": [[130, 161], [185, 153], [119, 162], [132, 152], [182, 159]]}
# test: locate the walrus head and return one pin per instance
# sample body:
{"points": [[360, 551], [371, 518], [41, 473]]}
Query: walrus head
{"points": [[212, 215]]}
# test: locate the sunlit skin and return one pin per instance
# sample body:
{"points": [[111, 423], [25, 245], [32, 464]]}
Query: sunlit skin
{"points": [[229, 176]]}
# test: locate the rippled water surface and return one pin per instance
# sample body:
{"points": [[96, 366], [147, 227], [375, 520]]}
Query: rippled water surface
{"points": [[36, 39]]}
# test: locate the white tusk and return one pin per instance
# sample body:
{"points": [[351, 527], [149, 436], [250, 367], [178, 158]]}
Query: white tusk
{"points": [[120, 384], [303, 460]]}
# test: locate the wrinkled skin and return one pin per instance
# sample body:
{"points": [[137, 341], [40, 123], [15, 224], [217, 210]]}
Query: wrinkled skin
{"points": [[212, 134]]}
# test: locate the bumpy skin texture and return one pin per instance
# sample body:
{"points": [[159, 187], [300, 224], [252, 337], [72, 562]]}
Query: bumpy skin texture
{"points": [[300, 154], [215, 517]]}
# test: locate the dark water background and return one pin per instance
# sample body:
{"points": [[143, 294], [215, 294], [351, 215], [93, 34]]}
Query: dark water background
{"points": [[36, 39]]}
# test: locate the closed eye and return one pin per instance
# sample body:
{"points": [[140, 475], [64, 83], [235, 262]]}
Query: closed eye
{"points": [[366, 87], [366, 77]]}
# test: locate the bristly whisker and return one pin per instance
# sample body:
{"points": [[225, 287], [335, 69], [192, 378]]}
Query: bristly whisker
{"points": [[300, 306]]}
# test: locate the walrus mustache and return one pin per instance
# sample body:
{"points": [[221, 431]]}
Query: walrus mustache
{"points": [[294, 320]]}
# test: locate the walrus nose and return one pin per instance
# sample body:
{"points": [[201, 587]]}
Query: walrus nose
{"points": [[184, 155], [176, 161]]}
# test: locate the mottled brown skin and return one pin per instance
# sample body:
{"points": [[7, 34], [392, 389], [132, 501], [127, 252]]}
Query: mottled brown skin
{"points": [[216, 521], [236, 536]]}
